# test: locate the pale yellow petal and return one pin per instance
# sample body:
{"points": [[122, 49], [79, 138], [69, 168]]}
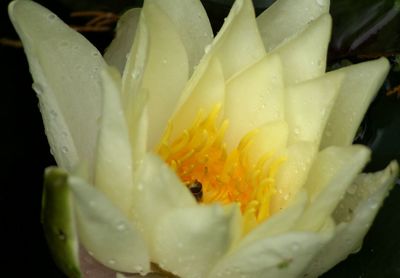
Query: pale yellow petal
{"points": [[208, 93], [292, 174], [308, 106], [113, 169], [360, 85], [254, 97], [190, 241], [106, 233], [354, 216], [157, 191], [194, 28], [287, 18], [304, 57], [333, 171], [117, 52], [285, 255], [66, 71]]}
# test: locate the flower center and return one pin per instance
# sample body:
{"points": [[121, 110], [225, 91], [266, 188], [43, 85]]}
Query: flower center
{"points": [[200, 158]]}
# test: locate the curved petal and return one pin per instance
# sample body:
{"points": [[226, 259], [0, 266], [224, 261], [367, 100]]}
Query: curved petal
{"points": [[191, 21], [292, 174], [283, 256], [114, 169], [117, 52], [208, 93], [188, 242], [254, 97], [166, 70], [359, 87], [287, 18], [333, 170], [304, 57], [66, 71], [158, 190], [236, 46], [354, 215], [106, 233], [308, 106]]}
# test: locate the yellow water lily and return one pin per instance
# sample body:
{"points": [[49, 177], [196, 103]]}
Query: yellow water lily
{"points": [[195, 156]]}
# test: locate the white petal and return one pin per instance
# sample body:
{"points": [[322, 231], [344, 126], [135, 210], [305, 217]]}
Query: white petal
{"points": [[116, 53], [166, 70], [205, 96], [292, 174], [287, 18], [333, 171], [66, 71], [360, 85], [308, 106], [304, 57], [191, 21], [114, 171], [106, 233], [189, 241], [254, 97], [158, 190], [284, 256], [355, 214]]}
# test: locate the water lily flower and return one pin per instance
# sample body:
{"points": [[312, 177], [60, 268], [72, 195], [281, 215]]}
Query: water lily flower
{"points": [[183, 154]]}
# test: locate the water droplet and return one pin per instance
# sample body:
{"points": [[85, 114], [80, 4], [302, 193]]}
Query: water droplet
{"points": [[296, 131], [38, 88], [164, 61], [111, 261], [51, 17], [321, 2], [135, 74], [138, 268], [374, 206], [140, 187], [53, 113], [90, 253], [64, 149], [96, 54], [92, 203], [121, 226], [207, 48]]}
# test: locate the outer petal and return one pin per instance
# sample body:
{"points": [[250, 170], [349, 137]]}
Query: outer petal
{"points": [[114, 169], [66, 71], [359, 87], [106, 233], [282, 256], [254, 97], [287, 18], [333, 171], [117, 52], [58, 221], [304, 57], [354, 216], [189, 241], [158, 190]]}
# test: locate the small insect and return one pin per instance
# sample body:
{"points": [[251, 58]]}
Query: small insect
{"points": [[196, 188]]}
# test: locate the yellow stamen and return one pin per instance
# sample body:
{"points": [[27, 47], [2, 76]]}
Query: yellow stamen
{"points": [[199, 155]]}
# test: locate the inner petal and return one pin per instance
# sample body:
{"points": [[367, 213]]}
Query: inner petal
{"points": [[200, 158]]}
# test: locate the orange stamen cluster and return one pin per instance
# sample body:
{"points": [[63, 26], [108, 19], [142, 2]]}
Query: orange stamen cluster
{"points": [[199, 154]]}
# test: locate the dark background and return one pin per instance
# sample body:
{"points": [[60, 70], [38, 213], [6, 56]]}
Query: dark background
{"points": [[25, 152]]}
